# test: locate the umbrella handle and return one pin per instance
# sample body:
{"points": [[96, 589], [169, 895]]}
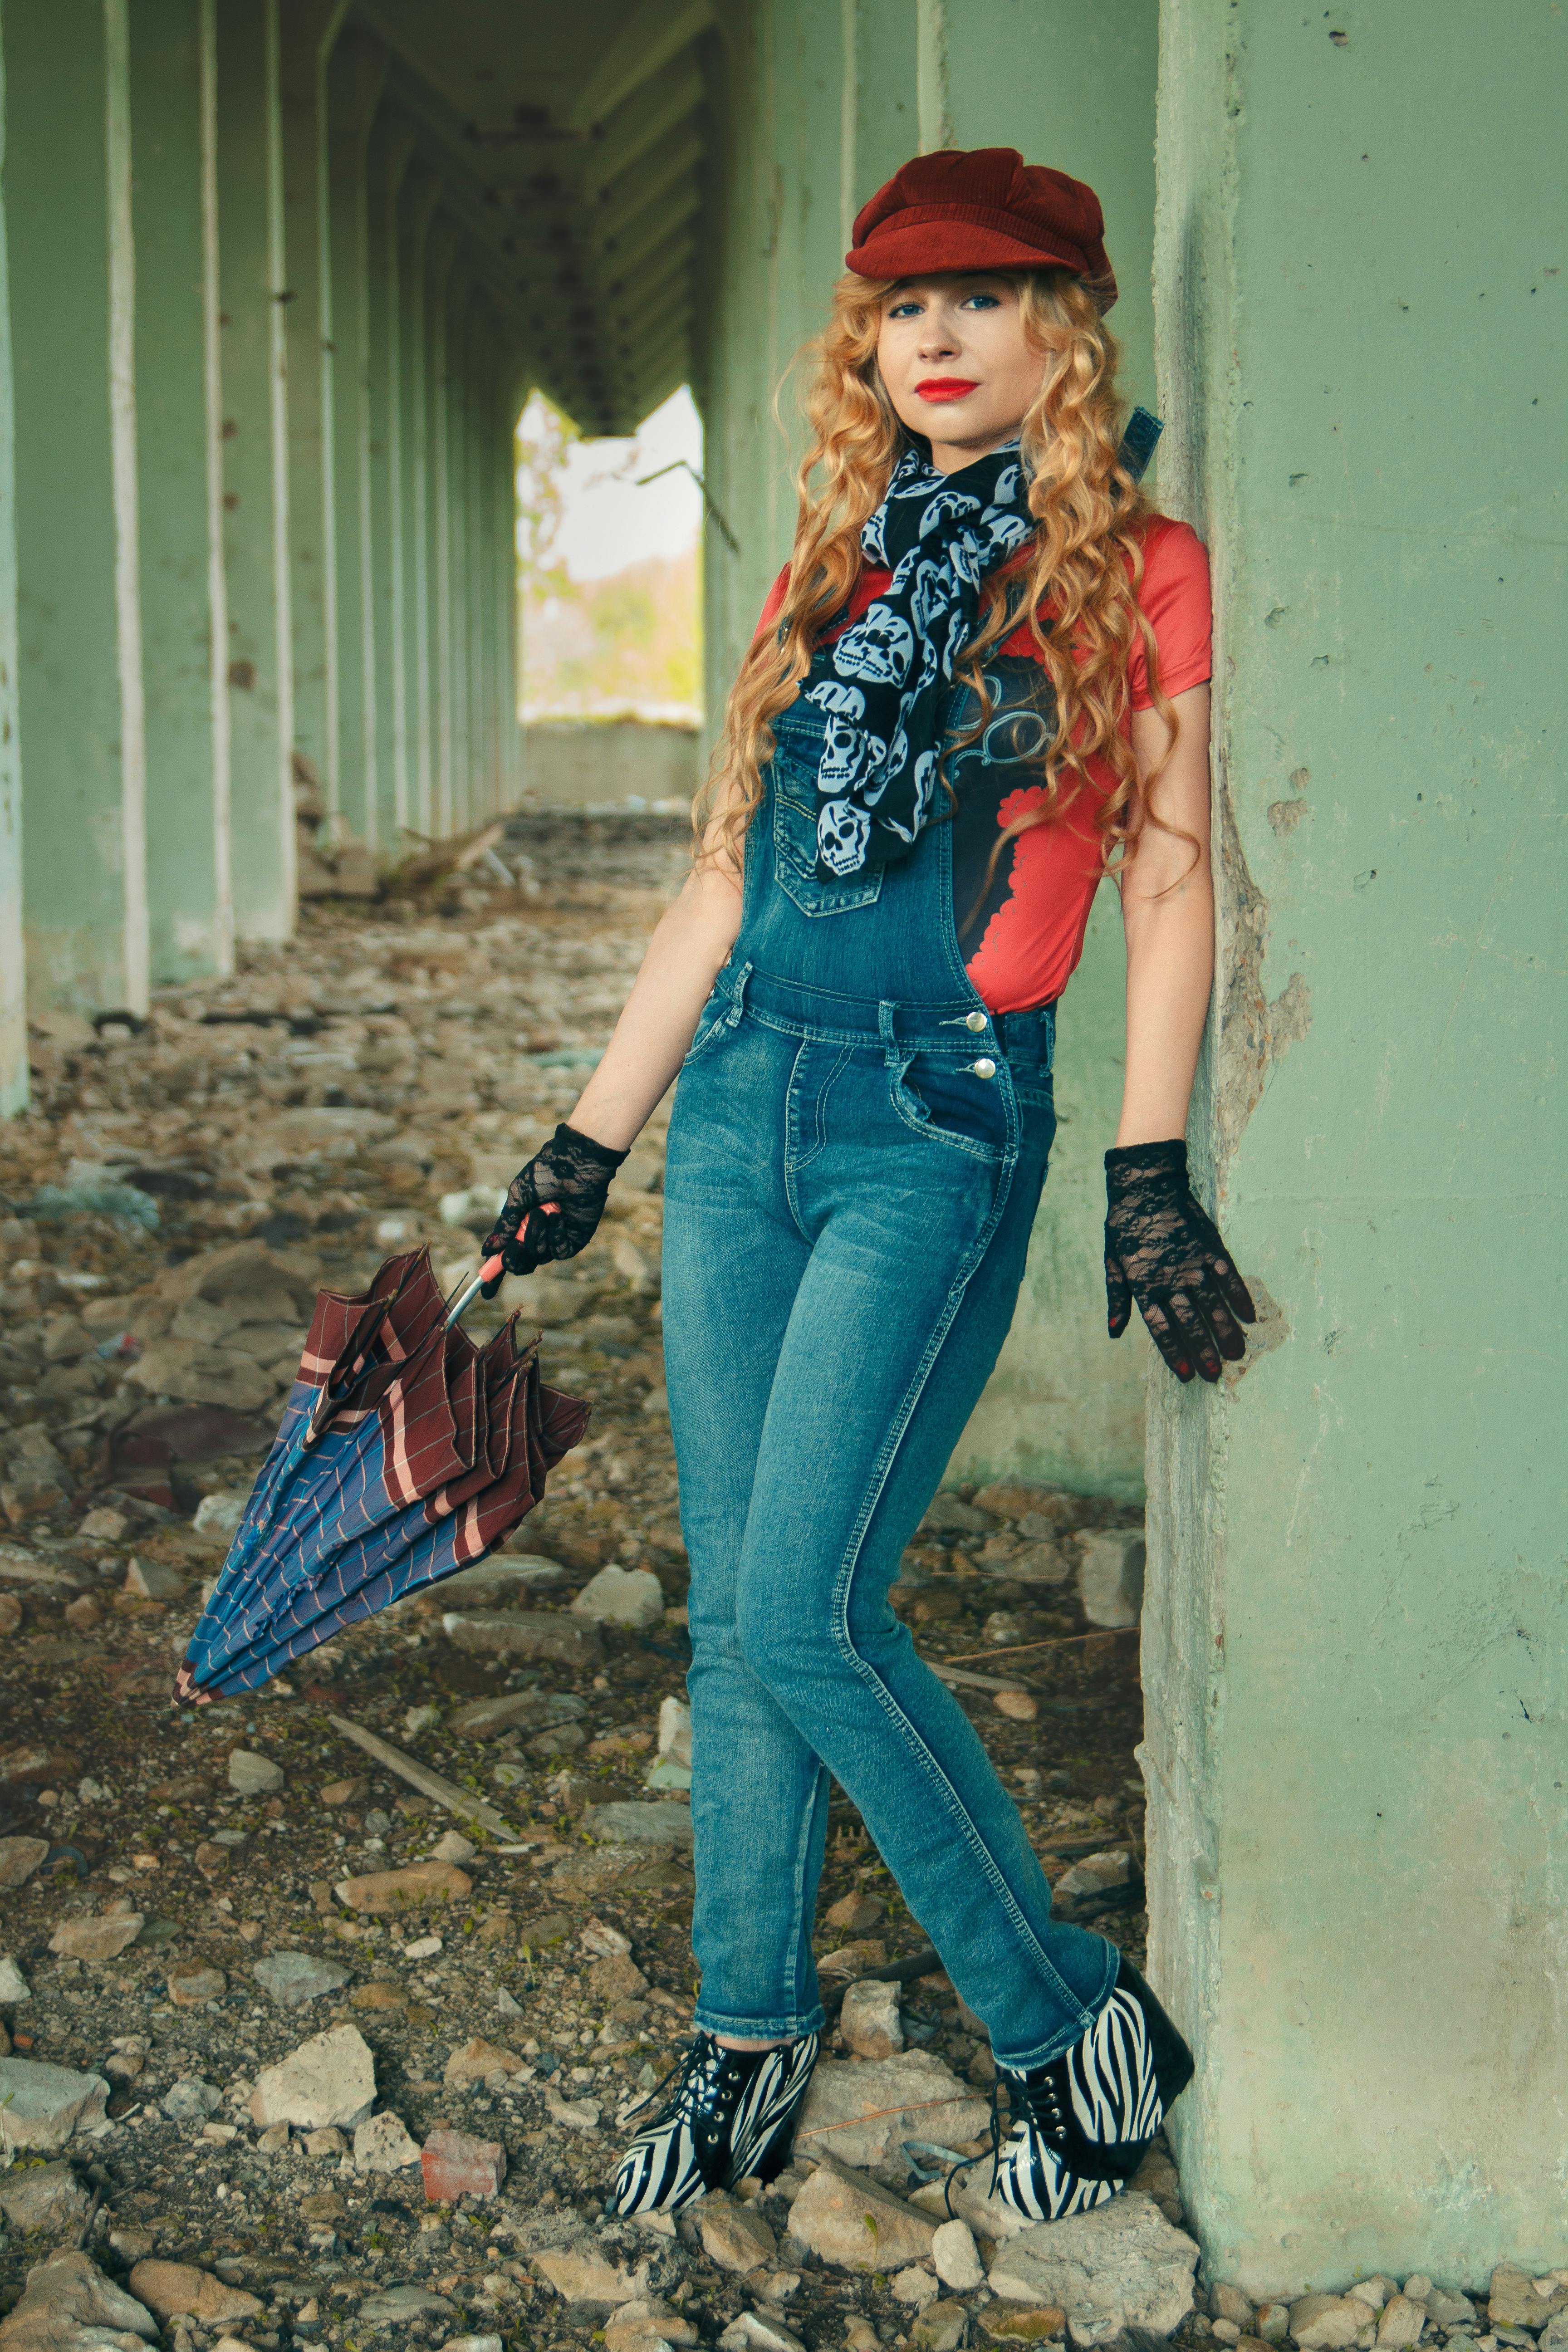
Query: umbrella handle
{"points": [[490, 1270]]}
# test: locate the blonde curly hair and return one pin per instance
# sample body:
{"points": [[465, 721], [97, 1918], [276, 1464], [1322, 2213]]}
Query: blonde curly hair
{"points": [[1075, 589]]}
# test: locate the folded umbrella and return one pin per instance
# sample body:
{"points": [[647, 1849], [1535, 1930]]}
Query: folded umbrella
{"points": [[405, 1452]]}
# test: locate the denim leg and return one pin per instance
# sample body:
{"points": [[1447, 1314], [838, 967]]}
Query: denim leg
{"points": [[732, 1261], [875, 1380]]}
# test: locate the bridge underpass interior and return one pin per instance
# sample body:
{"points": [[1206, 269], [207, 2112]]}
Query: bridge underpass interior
{"points": [[278, 277]]}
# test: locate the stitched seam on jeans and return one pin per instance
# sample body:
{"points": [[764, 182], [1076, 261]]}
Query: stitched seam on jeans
{"points": [[797, 1154], [868, 1675]]}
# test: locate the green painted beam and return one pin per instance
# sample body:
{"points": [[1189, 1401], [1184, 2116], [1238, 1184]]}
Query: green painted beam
{"points": [[254, 484], [13, 952], [390, 155], [178, 423], [68, 194]]}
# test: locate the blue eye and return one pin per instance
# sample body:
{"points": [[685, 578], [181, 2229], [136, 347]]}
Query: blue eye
{"points": [[980, 303], [904, 310]]}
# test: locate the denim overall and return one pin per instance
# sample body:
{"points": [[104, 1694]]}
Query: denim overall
{"points": [[856, 1155]]}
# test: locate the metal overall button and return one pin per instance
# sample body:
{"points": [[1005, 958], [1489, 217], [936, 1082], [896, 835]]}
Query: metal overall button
{"points": [[975, 1020], [984, 1067]]}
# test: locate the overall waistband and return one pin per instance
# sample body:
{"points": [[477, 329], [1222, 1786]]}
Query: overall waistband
{"points": [[861, 1020]]}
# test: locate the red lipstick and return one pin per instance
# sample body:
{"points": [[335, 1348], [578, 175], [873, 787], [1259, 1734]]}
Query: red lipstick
{"points": [[946, 387]]}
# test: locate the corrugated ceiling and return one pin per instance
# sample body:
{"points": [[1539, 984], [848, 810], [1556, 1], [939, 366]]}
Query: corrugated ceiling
{"points": [[569, 140]]}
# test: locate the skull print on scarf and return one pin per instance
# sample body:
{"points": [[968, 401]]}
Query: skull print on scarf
{"points": [[938, 535]]}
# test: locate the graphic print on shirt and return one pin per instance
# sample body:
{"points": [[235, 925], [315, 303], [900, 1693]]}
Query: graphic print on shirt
{"points": [[997, 779]]}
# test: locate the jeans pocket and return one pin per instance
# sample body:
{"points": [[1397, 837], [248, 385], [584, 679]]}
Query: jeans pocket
{"points": [[792, 790], [711, 1022], [949, 1103]]}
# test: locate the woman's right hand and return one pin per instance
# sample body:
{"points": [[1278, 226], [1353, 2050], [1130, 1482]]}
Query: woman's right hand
{"points": [[552, 1205]]}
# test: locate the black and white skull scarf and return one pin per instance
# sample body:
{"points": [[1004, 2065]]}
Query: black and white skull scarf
{"points": [[885, 694]]}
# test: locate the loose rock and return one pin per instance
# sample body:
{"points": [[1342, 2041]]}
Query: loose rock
{"points": [[1110, 1577], [456, 2166], [97, 1938], [638, 1824], [19, 1857], [41, 2105], [1324, 2323], [382, 2144], [70, 2306], [329, 2079], [1401, 2323], [1121, 2266], [415, 1887], [589, 2278], [620, 1596], [845, 2217], [178, 2289], [192, 1982], [1514, 2303], [294, 1978], [478, 2059], [891, 2095], [752, 2332], [957, 2258], [254, 1776], [400, 2303], [190, 2100], [870, 2020], [527, 1633], [735, 2237], [1005, 2324], [940, 2327], [42, 2197]]}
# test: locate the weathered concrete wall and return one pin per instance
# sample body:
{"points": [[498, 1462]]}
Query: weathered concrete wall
{"points": [[1355, 1628], [821, 104], [572, 763]]}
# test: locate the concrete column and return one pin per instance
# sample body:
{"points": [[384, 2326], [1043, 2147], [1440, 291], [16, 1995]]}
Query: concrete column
{"points": [[416, 210], [445, 240], [258, 669], [355, 77], [389, 156], [457, 522], [174, 72], [862, 85], [308, 31], [13, 954], [1354, 1635], [79, 658]]}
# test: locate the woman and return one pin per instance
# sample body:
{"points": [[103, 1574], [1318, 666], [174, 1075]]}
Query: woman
{"points": [[980, 683]]}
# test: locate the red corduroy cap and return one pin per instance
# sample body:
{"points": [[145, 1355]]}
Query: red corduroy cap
{"points": [[982, 209]]}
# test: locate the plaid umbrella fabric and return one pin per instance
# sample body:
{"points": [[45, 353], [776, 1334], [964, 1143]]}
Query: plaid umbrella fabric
{"points": [[405, 1452]]}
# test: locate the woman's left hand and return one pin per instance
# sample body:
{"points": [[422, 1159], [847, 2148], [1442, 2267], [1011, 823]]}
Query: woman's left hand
{"points": [[1164, 1250]]}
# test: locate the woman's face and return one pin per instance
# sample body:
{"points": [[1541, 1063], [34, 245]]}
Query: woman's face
{"points": [[956, 364]]}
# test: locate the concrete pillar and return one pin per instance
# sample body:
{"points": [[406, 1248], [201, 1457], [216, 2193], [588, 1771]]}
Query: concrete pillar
{"points": [[860, 87], [174, 133], [78, 658], [13, 956], [355, 77], [445, 241], [417, 212], [258, 668], [390, 153], [457, 519], [308, 31], [1354, 1636]]}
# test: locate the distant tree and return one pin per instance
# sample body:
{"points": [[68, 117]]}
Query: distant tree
{"points": [[543, 439]]}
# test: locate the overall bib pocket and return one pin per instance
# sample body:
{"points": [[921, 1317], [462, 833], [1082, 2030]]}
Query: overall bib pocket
{"points": [[800, 734]]}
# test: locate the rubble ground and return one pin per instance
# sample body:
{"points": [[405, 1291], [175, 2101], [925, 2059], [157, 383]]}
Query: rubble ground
{"points": [[191, 1897]]}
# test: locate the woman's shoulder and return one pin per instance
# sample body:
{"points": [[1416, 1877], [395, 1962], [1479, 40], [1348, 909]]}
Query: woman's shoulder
{"points": [[1173, 555]]}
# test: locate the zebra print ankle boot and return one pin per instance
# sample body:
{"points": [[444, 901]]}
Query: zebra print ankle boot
{"points": [[732, 2114], [1082, 2125]]}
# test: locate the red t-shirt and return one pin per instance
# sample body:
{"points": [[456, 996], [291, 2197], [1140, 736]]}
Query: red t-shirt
{"points": [[1023, 940]]}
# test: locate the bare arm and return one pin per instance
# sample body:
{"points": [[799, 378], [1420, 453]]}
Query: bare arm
{"points": [[655, 1027], [1167, 916]]}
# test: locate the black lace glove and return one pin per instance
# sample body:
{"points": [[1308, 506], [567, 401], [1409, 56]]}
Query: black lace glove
{"points": [[1164, 1250], [573, 1172]]}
